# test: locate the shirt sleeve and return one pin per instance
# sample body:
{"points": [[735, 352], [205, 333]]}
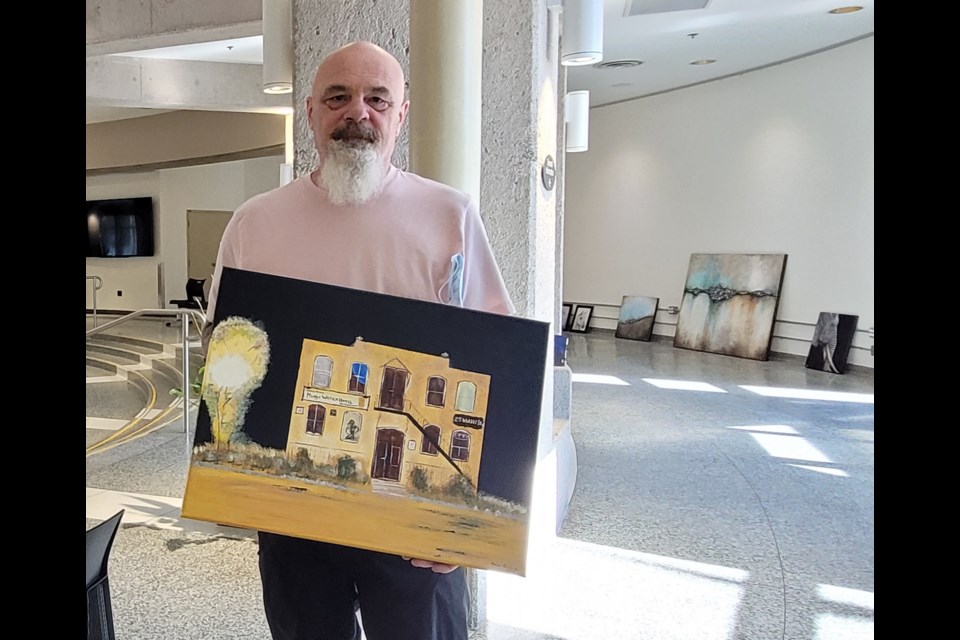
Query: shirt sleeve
{"points": [[483, 287], [227, 256]]}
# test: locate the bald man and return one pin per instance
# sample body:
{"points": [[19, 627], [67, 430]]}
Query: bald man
{"points": [[358, 221]]}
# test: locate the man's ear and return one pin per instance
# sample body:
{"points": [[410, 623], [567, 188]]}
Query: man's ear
{"points": [[403, 112]]}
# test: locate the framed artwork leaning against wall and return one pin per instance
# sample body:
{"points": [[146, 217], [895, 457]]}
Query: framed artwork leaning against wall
{"points": [[580, 323]]}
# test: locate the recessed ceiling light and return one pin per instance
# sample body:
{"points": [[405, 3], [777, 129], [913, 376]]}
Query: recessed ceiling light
{"points": [[849, 9], [704, 61], [618, 64]]}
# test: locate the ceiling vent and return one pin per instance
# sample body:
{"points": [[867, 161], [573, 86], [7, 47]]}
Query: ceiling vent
{"points": [[646, 7], [618, 64]]}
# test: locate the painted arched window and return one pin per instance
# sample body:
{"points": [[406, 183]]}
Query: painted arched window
{"points": [[322, 370], [433, 435], [460, 445], [315, 416], [350, 432], [436, 390], [466, 396]]}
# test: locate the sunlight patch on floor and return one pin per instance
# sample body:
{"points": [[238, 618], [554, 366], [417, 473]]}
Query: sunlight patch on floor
{"points": [[767, 428], [824, 470], [582, 591], [793, 447], [684, 385], [597, 378], [810, 394]]}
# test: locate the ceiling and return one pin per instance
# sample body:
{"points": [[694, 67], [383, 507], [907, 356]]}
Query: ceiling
{"points": [[664, 36]]}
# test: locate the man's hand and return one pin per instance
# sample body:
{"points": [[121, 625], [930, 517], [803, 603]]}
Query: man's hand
{"points": [[436, 567]]}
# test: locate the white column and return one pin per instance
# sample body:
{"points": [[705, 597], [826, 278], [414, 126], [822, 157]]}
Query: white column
{"points": [[445, 91]]}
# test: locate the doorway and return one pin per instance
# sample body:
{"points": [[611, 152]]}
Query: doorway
{"points": [[204, 231]]}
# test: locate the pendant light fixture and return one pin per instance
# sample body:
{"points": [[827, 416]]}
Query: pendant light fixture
{"points": [[581, 38], [277, 46], [577, 118]]}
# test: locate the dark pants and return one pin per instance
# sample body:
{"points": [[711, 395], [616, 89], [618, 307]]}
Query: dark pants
{"points": [[311, 591]]}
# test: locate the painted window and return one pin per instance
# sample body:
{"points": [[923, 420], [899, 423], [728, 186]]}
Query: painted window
{"points": [[460, 445], [436, 389], [433, 435], [466, 396], [358, 377], [393, 388], [322, 370], [315, 416], [351, 427]]}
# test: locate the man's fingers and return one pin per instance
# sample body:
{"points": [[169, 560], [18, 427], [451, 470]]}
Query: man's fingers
{"points": [[436, 567]]}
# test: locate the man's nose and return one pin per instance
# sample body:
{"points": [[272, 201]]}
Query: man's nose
{"points": [[357, 110]]}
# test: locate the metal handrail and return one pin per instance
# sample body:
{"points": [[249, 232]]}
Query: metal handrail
{"points": [[95, 285], [198, 317]]}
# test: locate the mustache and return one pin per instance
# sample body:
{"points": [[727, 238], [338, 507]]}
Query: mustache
{"points": [[355, 131]]}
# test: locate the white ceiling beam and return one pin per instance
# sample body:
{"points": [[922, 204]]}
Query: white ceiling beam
{"points": [[149, 83], [119, 26]]}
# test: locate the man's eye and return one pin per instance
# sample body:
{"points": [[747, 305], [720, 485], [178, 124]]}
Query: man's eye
{"points": [[336, 101], [378, 103]]}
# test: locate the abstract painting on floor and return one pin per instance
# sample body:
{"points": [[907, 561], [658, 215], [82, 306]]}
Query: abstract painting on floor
{"points": [[832, 339], [367, 420], [730, 304], [637, 315]]}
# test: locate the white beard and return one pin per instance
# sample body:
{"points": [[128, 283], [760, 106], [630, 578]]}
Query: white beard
{"points": [[352, 172]]}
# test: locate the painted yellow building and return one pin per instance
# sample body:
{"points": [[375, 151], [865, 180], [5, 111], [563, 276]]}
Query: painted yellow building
{"points": [[390, 410]]}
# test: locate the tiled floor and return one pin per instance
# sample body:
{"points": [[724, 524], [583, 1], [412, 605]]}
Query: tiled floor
{"points": [[716, 498]]}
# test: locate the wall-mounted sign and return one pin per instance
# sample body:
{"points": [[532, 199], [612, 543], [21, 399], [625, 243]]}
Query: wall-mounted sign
{"points": [[548, 173]]}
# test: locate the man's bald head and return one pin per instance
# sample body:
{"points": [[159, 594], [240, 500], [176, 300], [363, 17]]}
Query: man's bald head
{"points": [[358, 57], [358, 92]]}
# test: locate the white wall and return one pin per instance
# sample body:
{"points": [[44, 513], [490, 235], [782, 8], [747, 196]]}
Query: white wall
{"points": [[223, 186], [780, 160]]}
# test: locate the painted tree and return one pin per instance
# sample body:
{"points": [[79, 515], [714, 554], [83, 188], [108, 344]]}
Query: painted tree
{"points": [[236, 363]]}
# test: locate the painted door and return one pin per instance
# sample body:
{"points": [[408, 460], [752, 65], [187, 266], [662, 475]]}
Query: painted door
{"points": [[204, 231], [386, 462], [391, 390]]}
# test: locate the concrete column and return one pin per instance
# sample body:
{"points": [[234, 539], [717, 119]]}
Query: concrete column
{"points": [[445, 66], [519, 130], [322, 26], [521, 105]]}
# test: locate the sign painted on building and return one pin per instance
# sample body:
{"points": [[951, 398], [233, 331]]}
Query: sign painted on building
{"points": [[467, 421], [332, 397]]}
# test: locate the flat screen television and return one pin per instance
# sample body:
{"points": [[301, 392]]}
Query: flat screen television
{"points": [[120, 228]]}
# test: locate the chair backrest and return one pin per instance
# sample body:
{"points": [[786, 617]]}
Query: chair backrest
{"points": [[195, 289], [99, 609]]}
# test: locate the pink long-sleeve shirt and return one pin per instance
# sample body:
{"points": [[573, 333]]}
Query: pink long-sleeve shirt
{"points": [[417, 239]]}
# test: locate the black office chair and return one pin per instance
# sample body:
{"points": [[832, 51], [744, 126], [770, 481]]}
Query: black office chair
{"points": [[196, 298], [99, 609]]}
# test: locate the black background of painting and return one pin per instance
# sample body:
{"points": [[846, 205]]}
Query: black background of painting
{"points": [[511, 350]]}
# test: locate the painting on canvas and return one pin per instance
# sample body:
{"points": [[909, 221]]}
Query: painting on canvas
{"points": [[580, 322], [367, 420], [832, 339], [730, 303], [637, 315]]}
